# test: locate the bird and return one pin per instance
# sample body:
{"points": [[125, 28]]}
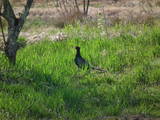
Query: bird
{"points": [[79, 60], [82, 63]]}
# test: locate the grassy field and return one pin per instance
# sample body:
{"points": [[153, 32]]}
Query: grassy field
{"points": [[46, 84]]}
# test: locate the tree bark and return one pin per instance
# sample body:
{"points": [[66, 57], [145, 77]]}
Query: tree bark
{"points": [[84, 6], [88, 3], [11, 45], [76, 3]]}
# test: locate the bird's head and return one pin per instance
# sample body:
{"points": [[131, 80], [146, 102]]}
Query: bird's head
{"points": [[77, 48]]}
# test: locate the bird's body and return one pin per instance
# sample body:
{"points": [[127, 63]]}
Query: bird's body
{"points": [[82, 63]]}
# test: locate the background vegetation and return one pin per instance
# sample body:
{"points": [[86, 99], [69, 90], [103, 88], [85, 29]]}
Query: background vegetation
{"points": [[46, 84]]}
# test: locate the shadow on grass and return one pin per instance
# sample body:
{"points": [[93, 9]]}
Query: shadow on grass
{"points": [[31, 77]]}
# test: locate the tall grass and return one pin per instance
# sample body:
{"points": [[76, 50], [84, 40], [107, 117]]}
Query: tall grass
{"points": [[46, 84]]}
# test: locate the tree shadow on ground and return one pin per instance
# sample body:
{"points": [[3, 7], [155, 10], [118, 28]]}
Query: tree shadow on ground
{"points": [[37, 79]]}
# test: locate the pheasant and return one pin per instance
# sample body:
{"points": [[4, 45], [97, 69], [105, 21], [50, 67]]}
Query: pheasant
{"points": [[82, 63]]}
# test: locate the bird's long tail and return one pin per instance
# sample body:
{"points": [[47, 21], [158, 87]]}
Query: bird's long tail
{"points": [[99, 69]]}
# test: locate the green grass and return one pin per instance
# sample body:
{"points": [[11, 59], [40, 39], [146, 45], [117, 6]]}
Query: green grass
{"points": [[46, 84]]}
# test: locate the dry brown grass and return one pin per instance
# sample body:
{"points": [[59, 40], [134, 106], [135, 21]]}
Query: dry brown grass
{"points": [[71, 18], [124, 11]]}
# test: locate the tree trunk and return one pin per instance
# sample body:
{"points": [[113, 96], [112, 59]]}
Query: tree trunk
{"points": [[87, 7], [11, 46], [15, 25], [84, 6], [76, 3]]}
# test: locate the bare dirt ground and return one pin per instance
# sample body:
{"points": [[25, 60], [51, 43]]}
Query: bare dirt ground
{"points": [[127, 117]]}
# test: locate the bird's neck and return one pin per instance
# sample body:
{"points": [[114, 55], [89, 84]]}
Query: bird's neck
{"points": [[78, 53]]}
